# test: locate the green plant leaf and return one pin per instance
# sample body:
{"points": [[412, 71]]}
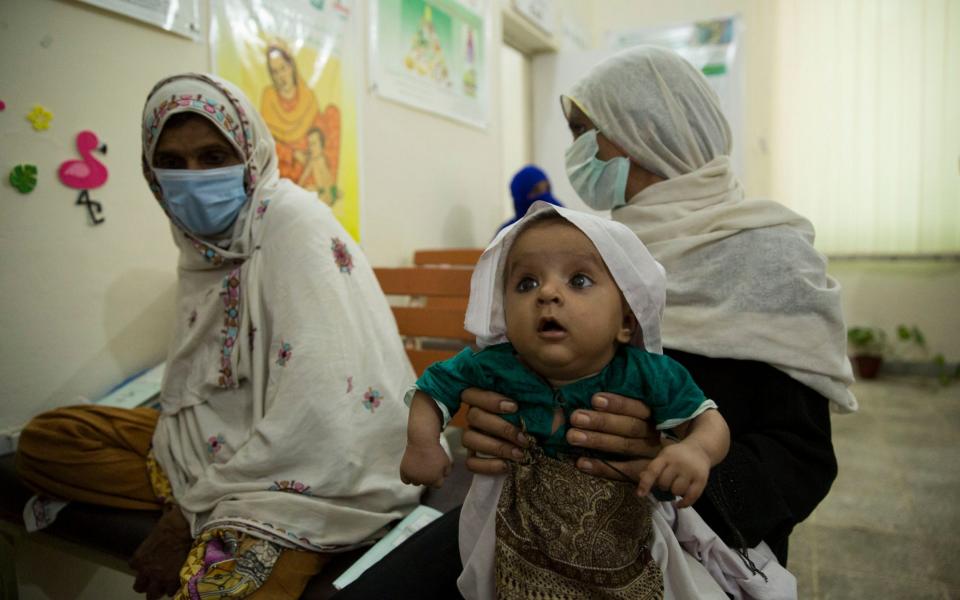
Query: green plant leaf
{"points": [[903, 332], [870, 341], [24, 178], [918, 336]]}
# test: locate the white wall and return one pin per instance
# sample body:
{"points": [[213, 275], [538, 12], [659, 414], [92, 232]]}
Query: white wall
{"points": [[83, 307], [888, 293]]}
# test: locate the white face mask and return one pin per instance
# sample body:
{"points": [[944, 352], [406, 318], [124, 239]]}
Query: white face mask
{"points": [[601, 184]]}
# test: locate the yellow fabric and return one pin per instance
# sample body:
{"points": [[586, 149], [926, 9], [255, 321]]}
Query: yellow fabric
{"points": [[221, 580], [158, 480], [93, 454], [290, 575], [289, 121], [286, 577]]}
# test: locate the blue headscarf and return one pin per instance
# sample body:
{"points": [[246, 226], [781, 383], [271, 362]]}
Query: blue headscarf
{"points": [[521, 185]]}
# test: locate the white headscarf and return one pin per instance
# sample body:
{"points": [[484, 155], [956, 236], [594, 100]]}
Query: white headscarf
{"points": [[281, 408], [744, 280], [639, 277]]}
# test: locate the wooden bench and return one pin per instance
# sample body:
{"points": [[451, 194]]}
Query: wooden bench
{"points": [[429, 302]]}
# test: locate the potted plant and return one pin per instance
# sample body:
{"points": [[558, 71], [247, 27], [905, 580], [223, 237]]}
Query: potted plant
{"points": [[914, 338], [867, 346]]}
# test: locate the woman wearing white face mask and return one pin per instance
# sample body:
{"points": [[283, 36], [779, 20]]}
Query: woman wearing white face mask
{"points": [[750, 313], [280, 431], [750, 310]]}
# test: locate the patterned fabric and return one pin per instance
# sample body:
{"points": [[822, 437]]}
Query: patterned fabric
{"points": [[158, 480], [372, 399], [564, 534], [341, 255], [226, 564], [231, 325]]}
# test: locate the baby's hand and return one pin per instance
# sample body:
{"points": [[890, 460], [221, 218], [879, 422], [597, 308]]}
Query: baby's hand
{"points": [[425, 464], [681, 468]]}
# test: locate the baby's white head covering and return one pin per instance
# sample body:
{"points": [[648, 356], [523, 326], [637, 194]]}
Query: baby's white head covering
{"points": [[640, 278], [657, 107]]}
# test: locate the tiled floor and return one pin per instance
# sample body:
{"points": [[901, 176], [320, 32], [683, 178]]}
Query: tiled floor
{"points": [[890, 527]]}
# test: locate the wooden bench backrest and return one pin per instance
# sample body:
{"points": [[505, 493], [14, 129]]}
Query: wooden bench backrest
{"points": [[465, 257], [431, 320]]}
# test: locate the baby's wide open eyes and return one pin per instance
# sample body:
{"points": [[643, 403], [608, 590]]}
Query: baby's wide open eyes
{"points": [[527, 284], [578, 281], [581, 281]]}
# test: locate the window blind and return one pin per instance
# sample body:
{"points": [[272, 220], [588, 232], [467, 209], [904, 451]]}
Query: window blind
{"points": [[866, 123]]}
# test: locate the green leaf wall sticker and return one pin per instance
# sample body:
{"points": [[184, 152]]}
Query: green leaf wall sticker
{"points": [[24, 178]]}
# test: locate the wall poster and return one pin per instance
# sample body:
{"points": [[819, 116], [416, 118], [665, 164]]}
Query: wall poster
{"points": [[432, 55], [297, 61]]}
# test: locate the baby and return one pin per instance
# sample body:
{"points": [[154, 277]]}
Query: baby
{"points": [[565, 305], [316, 174]]}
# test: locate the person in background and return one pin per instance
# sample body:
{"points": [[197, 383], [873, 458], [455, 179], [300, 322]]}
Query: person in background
{"points": [[280, 431], [751, 313], [529, 185]]}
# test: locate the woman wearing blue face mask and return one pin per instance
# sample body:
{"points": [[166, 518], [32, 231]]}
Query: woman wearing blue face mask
{"points": [[280, 432]]}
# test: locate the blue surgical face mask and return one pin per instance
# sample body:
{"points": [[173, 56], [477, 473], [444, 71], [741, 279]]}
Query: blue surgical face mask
{"points": [[205, 201], [601, 184]]}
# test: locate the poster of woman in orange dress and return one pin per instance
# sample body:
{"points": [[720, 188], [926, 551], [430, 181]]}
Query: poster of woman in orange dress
{"points": [[299, 60], [308, 138]]}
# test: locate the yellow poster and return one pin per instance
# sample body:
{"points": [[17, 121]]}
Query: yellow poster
{"points": [[295, 60]]}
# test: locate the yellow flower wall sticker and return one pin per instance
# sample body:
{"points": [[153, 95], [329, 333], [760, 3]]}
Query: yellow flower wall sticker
{"points": [[40, 117]]}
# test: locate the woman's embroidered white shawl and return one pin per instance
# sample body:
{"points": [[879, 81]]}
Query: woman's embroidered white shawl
{"points": [[281, 408]]}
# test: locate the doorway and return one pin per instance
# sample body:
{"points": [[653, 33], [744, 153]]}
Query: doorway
{"points": [[516, 104]]}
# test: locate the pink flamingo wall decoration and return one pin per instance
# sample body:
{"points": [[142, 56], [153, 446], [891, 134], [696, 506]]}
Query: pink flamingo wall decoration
{"points": [[86, 174]]}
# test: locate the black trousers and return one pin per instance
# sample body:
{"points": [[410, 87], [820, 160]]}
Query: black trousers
{"points": [[425, 566]]}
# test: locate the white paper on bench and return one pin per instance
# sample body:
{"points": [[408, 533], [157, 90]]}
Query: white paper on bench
{"points": [[39, 512], [136, 390], [419, 518]]}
